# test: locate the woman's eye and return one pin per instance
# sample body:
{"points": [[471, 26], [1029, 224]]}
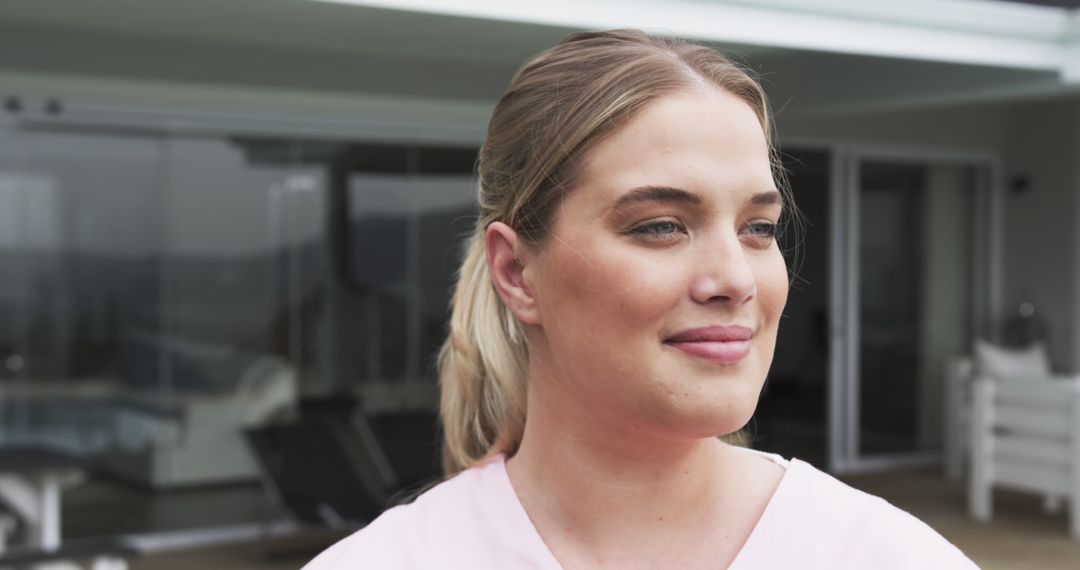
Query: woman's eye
{"points": [[764, 232], [659, 230]]}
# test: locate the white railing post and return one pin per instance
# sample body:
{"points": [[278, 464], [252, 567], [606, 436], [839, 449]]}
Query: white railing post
{"points": [[980, 466], [1074, 463]]}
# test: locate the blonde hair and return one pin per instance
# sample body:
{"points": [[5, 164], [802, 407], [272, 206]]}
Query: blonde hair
{"points": [[556, 108]]}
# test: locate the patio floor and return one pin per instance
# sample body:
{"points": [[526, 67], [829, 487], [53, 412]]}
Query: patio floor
{"points": [[1021, 535]]}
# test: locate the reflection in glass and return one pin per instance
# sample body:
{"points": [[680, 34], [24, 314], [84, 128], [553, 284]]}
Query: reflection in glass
{"points": [[160, 293], [77, 249], [404, 235]]}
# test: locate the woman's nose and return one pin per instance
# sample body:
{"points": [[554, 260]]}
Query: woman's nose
{"points": [[722, 272]]}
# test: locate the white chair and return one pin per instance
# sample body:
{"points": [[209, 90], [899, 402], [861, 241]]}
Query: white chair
{"points": [[958, 378], [988, 362], [1025, 436], [201, 440]]}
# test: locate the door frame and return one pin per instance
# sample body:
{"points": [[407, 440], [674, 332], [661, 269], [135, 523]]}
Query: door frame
{"points": [[844, 383]]}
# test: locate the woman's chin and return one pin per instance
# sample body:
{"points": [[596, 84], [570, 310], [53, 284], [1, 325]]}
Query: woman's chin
{"points": [[707, 422]]}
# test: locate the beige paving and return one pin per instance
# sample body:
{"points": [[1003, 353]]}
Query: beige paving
{"points": [[1020, 536]]}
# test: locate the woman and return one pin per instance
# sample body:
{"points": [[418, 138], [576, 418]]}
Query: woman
{"points": [[616, 311]]}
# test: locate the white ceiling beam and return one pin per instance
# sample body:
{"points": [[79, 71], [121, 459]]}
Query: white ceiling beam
{"points": [[186, 107], [1070, 72], [968, 32]]}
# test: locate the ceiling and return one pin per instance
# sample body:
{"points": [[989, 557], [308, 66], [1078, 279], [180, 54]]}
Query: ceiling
{"points": [[290, 25], [331, 48], [1070, 4]]}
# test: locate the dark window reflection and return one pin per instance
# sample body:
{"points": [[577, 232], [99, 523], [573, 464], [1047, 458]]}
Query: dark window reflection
{"points": [[916, 262], [404, 236], [160, 293]]}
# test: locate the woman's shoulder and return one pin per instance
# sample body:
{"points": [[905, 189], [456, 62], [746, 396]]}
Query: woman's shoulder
{"points": [[458, 519], [826, 523], [388, 540], [379, 544]]}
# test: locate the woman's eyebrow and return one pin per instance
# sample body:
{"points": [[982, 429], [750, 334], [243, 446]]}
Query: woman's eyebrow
{"points": [[655, 194], [767, 198], [678, 195]]}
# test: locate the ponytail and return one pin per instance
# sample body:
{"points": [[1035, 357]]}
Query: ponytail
{"points": [[481, 369]]}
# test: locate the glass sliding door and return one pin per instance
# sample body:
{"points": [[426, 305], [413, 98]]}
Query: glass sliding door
{"points": [[159, 293], [908, 256], [243, 283], [163, 290], [77, 236]]}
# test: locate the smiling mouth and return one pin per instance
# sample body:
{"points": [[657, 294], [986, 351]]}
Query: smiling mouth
{"points": [[724, 345], [724, 352]]}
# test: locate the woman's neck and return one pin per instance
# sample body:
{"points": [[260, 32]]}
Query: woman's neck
{"points": [[585, 481], [593, 489]]}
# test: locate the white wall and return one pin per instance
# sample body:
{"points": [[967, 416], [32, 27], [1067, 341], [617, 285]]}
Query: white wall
{"points": [[979, 128], [1040, 238], [1040, 257], [945, 289], [1075, 259]]}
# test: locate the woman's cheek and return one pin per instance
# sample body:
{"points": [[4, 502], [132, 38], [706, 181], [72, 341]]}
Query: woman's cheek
{"points": [[772, 284], [642, 291]]}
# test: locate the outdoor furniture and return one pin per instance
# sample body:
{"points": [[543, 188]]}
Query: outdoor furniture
{"points": [[991, 362], [337, 466], [1025, 436], [958, 378], [31, 482], [198, 439], [92, 554], [320, 471]]}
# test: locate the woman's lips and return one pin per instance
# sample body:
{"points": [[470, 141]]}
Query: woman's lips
{"points": [[723, 344]]}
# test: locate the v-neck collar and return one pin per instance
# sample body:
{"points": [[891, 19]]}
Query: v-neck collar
{"points": [[522, 525], [755, 542]]}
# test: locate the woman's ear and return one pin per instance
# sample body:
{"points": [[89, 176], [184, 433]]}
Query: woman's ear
{"points": [[507, 269]]}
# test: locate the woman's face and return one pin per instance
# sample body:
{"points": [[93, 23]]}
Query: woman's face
{"points": [[658, 294]]}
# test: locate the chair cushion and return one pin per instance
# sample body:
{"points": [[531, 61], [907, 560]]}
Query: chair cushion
{"points": [[1000, 362]]}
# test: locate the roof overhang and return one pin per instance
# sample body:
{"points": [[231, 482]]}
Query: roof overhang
{"points": [[969, 32]]}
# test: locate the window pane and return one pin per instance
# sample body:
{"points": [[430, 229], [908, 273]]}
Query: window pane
{"points": [[404, 242]]}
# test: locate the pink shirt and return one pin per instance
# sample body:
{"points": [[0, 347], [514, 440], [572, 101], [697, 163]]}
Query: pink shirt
{"points": [[475, 521]]}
